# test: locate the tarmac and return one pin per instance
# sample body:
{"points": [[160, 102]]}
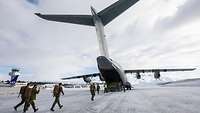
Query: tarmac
{"points": [[143, 99]]}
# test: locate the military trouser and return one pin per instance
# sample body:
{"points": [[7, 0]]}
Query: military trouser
{"points": [[93, 94], [33, 104], [97, 91], [22, 101], [57, 100], [27, 104], [92, 98]]}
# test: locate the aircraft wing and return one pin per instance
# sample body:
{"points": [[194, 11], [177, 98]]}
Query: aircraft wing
{"points": [[75, 19], [82, 76], [157, 70], [111, 12]]}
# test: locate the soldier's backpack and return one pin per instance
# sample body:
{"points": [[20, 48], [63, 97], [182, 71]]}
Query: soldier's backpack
{"points": [[27, 93], [56, 90], [22, 90]]}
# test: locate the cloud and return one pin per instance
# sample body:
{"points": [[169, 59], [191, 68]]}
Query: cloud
{"points": [[185, 14], [45, 50], [35, 2]]}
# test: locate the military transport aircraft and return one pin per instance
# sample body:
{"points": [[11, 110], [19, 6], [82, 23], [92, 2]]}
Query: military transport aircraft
{"points": [[109, 70]]}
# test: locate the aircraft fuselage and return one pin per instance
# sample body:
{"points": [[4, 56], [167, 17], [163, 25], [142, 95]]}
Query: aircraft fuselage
{"points": [[110, 71]]}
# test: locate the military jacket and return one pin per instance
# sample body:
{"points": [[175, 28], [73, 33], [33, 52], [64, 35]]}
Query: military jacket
{"points": [[34, 93]]}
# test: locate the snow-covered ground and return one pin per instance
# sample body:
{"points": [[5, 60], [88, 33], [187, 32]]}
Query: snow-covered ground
{"points": [[9, 90], [151, 99]]}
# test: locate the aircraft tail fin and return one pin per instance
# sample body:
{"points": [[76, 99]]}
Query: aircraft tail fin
{"points": [[74, 19], [114, 10], [14, 79], [14, 74]]}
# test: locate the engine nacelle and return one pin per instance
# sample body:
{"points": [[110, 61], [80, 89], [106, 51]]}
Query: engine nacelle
{"points": [[127, 85], [157, 75], [87, 79], [138, 76]]}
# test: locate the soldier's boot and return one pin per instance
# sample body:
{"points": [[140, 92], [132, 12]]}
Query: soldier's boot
{"points": [[15, 107], [61, 106], [92, 98], [36, 109], [24, 111], [52, 109]]}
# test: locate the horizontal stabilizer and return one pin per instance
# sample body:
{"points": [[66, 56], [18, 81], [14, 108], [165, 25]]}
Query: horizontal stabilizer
{"points": [[157, 70], [115, 10], [75, 19], [82, 76]]}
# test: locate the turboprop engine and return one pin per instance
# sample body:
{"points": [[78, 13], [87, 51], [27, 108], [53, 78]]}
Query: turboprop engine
{"points": [[157, 75], [87, 79], [138, 76]]}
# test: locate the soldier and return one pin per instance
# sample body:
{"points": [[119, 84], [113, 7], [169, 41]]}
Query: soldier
{"points": [[56, 93], [105, 88], [27, 96], [124, 88], [98, 88], [33, 97], [21, 92], [92, 91]]}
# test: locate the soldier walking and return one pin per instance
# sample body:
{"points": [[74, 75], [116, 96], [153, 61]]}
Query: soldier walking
{"points": [[33, 97], [92, 91], [56, 93], [98, 88], [27, 96], [21, 92], [105, 88]]}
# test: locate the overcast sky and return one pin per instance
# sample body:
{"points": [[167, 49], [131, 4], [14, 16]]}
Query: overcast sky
{"points": [[150, 34]]}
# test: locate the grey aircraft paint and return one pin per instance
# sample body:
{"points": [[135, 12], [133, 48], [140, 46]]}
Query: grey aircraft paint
{"points": [[109, 70]]}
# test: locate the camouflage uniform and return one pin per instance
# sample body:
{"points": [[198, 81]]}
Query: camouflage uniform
{"points": [[98, 88], [21, 92], [27, 96], [33, 97], [92, 91], [56, 93]]}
